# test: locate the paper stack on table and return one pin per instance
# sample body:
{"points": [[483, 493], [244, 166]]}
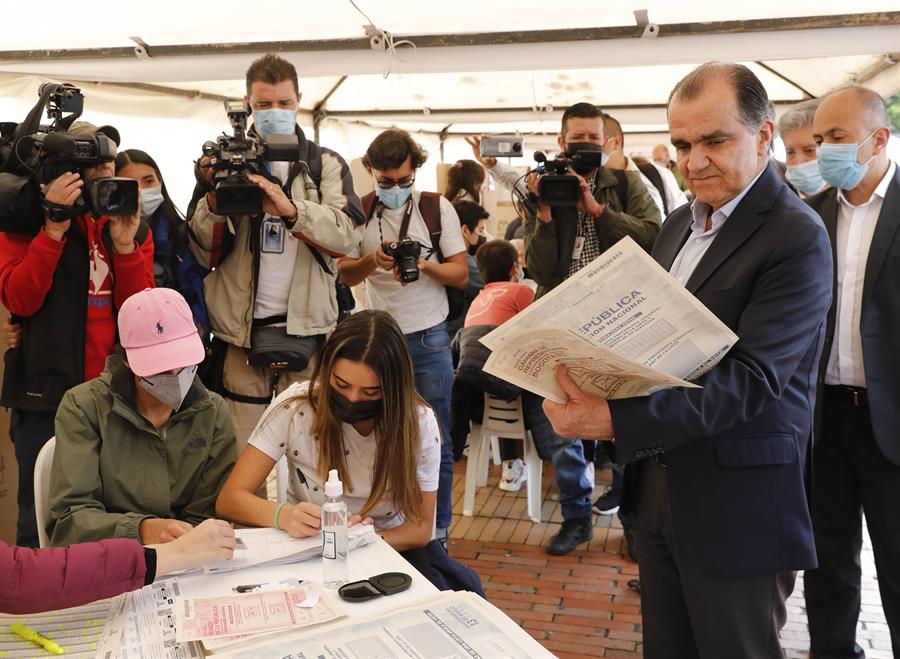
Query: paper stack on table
{"points": [[622, 326], [273, 547], [261, 612]]}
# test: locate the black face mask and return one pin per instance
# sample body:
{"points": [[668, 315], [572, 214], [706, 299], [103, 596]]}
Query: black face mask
{"points": [[474, 248], [590, 156], [349, 411]]}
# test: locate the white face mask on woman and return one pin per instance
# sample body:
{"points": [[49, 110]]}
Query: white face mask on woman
{"points": [[170, 388]]}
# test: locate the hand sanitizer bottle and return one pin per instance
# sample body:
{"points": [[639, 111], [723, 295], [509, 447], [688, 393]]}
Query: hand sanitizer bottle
{"points": [[334, 534]]}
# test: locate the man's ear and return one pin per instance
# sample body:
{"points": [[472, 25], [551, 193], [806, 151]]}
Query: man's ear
{"points": [[765, 136], [247, 104], [561, 142]]}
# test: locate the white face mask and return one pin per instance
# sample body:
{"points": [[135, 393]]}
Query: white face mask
{"points": [[168, 388]]}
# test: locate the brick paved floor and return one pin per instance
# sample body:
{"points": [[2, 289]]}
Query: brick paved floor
{"points": [[579, 605]]}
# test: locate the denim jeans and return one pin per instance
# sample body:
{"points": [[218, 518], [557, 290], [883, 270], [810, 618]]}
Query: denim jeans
{"points": [[575, 490], [433, 366]]}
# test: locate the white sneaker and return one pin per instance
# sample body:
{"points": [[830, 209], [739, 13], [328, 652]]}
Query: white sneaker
{"points": [[513, 475], [589, 472]]}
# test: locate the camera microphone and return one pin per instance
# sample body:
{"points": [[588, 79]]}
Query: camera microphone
{"points": [[540, 156]]}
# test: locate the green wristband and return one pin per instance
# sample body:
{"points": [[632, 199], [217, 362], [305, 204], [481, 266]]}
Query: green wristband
{"points": [[277, 513]]}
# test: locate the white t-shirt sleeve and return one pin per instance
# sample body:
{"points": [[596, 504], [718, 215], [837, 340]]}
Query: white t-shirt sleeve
{"points": [[273, 432], [355, 252], [429, 463], [452, 241]]}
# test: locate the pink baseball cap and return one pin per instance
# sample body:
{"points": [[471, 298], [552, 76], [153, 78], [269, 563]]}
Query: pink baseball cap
{"points": [[158, 332]]}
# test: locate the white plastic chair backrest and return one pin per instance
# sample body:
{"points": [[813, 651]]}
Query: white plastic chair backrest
{"points": [[503, 416], [42, 489]]}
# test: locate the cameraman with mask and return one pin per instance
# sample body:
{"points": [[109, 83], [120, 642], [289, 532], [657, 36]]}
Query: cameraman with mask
{"points": [[561, 240], [64, 285], [274, 271], [410, 281]]}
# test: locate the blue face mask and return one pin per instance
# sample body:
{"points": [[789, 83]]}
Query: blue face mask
{"points": [[839, 166], [393, 197], [274, 120], [805, 177], [151, 199]]}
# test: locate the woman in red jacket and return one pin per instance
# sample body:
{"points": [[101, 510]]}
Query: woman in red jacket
{"points": [[35, 580]]}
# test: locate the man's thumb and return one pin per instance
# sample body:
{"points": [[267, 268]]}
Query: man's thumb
{"points": [[567, 383]]}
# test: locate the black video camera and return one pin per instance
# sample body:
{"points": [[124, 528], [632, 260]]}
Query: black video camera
{"points": [[232, 158], [33, 154], [557, 187], [405, 253]]}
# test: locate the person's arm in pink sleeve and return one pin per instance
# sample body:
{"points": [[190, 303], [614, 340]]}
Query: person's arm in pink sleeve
{"points": [[134, 271], [34, 580], [26, 270]]}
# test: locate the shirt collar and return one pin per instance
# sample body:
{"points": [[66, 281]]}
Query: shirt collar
{"points": [[880, 189], [700, 210]]}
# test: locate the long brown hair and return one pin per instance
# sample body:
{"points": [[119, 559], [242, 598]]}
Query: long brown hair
{"points": [[375, 339], [465, 175]]}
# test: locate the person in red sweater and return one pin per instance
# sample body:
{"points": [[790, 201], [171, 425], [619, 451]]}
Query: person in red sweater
{"points": [[63, 285], [35, 580]]}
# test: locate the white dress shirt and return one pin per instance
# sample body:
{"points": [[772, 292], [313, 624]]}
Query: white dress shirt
{"points": [[855, 228], [700, 240]]}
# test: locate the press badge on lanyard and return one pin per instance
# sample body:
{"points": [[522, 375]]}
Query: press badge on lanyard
{"points": [[579, 247], [272, 236]]}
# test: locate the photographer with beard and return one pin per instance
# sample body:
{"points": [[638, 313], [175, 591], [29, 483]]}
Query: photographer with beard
{"points": [[561, 240], [273, 278], [64, 286]]}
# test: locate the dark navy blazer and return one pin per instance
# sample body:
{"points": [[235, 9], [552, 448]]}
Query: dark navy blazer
{"points": [[880, 318], [737, 450]]}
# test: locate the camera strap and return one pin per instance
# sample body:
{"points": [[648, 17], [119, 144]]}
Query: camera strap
{"points": [[58, 212]]}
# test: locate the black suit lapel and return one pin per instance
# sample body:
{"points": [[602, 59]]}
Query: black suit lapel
{"points": [[740, 225], [667, 247], [888, 221]]}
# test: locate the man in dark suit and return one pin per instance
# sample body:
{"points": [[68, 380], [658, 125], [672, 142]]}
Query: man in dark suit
{"points": [[856, 464], [717, 476]]}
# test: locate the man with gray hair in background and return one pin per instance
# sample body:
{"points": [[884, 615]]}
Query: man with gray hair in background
{"points": [[796, 130]]}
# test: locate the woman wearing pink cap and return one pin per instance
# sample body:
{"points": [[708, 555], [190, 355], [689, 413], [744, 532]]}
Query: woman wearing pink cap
{"points": [[142, 450]]}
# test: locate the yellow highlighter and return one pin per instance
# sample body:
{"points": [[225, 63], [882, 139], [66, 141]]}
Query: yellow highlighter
{"points": [[36, 638]]}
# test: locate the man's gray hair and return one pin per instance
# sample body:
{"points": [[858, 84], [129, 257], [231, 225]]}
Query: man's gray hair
{"points": [[798, 116], [752, 99]]}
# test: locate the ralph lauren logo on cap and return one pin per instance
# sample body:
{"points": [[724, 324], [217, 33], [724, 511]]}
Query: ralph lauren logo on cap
{"points": [[159, 327]]}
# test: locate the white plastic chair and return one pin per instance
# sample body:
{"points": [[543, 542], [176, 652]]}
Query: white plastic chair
{"points": [[42, 489], [502, 419]]}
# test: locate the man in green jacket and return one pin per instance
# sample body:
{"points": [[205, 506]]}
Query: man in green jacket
{"points": [[142, 450], [561, 240]]}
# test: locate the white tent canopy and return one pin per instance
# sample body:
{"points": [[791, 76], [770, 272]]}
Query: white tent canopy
{"points": [[476, 67]]}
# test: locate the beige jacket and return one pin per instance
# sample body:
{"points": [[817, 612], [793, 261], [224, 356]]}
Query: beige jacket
{"points": [[328, 221]]}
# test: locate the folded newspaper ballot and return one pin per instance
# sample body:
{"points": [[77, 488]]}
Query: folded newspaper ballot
{"points": [[622, 325]]}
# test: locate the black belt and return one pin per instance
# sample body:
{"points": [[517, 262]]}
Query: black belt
{"points": [[852, 396]]}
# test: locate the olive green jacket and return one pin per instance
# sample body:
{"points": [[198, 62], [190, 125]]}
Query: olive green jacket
{"points": [[112, 469], [549, 245]]}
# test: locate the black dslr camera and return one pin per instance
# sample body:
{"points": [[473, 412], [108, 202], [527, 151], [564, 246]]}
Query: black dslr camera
{"points": [[557, 187], [232, 158], [405, 253], [33, 154]]}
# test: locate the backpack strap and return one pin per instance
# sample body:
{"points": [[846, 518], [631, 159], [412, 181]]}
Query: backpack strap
{"points": [[655, 178], [369, 202], [430, 208]]}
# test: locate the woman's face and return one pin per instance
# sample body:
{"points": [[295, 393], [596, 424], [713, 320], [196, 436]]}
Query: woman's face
{"points": [[145, 175], [355, 380]]}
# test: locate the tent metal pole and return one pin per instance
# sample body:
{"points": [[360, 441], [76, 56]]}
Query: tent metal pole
{"points": [[806, 93], [871, 19]]}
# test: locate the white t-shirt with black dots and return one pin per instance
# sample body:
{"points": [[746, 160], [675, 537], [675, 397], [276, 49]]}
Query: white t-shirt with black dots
{"points": [[285, 430]]}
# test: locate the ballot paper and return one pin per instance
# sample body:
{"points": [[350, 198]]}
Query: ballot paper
{"points": [[251, 613], [448, 624], [150, 629], [90, 631], [622, 325], [274, 547]]}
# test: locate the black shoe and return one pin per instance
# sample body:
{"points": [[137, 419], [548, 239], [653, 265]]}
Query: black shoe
{"points": [[608, 504], [572, 533]]}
